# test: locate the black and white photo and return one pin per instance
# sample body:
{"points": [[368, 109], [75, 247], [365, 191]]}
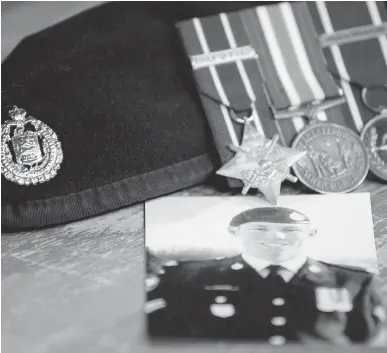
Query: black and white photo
{"points": [[238, 268]]}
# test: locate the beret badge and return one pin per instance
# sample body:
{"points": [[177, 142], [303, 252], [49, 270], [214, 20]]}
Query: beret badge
{"points": [[30, 150]]}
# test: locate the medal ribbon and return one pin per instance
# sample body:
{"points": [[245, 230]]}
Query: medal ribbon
{"points": [[290, 55], [269, 59], [355, 48], [221, 49], [226, 69], [293, 66]]}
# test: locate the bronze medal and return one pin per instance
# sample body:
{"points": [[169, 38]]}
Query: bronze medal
{"points": [[336, 161], [374, 133], [261, 163], [374, 136]]}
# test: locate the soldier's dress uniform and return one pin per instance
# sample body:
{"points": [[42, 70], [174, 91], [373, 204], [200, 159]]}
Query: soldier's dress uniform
{"points": [[231, 299]]}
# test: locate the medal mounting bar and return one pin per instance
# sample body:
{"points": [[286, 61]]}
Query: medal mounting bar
{"points": [[223, 57], [309, 110]]}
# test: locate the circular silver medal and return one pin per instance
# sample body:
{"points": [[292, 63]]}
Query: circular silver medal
{"points": [[31, 152], [336, 160], [374, 136]]}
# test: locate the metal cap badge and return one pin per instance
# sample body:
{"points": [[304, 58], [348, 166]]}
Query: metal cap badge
{"points": [[31, 152]]}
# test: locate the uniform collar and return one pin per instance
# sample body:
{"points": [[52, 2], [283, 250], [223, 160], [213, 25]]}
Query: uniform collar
{"points": [[287, 272]]}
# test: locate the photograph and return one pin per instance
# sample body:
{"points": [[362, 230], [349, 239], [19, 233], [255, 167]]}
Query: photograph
{"points": [[240, 268]]}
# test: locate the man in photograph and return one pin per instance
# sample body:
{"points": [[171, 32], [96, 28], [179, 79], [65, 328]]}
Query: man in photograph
{"points": [[271, 292]]}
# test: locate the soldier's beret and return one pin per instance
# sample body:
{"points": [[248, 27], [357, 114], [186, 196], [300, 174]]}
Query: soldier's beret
{"points": [[268, 215], [115, 85]]}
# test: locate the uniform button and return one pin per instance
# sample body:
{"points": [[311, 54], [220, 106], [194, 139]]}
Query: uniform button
{"points": [[220, 299], [171, 263], [151, 283], [237, 266], [277, 340], [278, 321], [278, 301]]}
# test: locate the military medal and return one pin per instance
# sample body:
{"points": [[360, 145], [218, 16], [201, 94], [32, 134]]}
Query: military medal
{"points": [[374, 136], [336, 161], [280, 69], [261, 163], [31, 152]]}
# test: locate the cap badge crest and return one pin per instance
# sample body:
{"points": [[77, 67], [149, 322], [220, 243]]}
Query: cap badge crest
{"points": [[30, 150]]}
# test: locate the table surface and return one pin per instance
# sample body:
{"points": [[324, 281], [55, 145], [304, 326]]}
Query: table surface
{"points": [[79, 287]]}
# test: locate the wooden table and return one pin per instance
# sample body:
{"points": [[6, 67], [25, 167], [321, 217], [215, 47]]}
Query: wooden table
{"points": [[78, 288]]}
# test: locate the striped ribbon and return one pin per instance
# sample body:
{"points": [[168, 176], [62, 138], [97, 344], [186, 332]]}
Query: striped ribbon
{"points": [[291, 70], [237, 84], [355, 47], [293, 63], [290, 54]]}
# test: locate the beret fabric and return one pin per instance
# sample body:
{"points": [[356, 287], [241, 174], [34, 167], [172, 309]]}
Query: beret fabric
{"points": [[268, 215]]}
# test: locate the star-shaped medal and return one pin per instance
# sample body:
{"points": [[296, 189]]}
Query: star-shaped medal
{"points": [[261, 163]]}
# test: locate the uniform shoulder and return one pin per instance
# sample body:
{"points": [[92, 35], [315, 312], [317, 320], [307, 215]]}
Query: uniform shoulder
{"points": [[348, 271]]}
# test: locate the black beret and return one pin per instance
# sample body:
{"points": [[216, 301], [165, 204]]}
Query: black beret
{"points": [[114, 85], [268, 215]]}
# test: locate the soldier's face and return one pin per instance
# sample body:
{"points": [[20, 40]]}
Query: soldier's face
{"points": [[274, 242]]}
